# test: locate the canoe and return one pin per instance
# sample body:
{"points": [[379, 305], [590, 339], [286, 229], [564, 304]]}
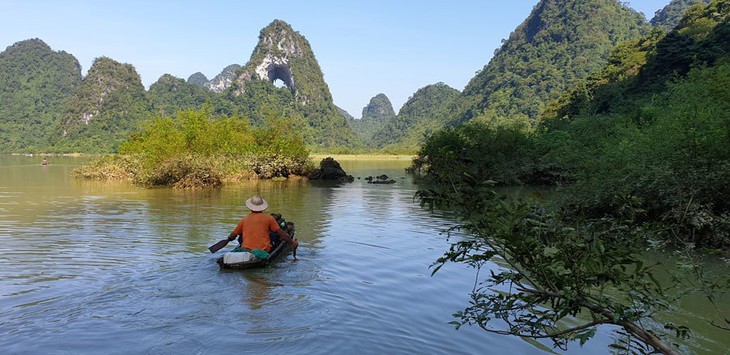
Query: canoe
{"points": [[280, 249]]}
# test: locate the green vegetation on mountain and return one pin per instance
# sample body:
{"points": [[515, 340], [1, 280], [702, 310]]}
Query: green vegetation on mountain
{"points": [[375, 115], [35, 83], [107, 106], [170, 94], [421, 115], [560, 43], [668, 17]]}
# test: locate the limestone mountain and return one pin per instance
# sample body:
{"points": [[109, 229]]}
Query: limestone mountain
{"points": [[560, 43], [223, 80], [170, 94], [107, 105], [198, 79], [668, 17], [374, 116], [422, 114], [378, 109], [284, 54], [35, 81]]}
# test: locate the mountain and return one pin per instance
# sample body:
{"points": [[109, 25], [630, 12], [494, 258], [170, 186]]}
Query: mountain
{"points": [[668, 17], [170, 94], [223, 80], [35, 82], [560, 43], [378, 109], [107, 105], [422, 114], [284, 54], [374, 116], [198, 79]]}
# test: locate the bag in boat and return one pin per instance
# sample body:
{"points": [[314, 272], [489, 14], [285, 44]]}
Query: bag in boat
{"points": [[234, 257]]}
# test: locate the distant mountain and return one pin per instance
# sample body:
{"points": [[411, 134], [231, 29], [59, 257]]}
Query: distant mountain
{"points": [[560, 43], [378, 109], [198, 79], [668, 17], [109, 103], [422, 114], [223, 80], [283, 54], [170, 94], [374, 116], [35, 82]]}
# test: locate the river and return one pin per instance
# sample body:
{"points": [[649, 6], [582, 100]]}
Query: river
{"points": [[99, 267]]}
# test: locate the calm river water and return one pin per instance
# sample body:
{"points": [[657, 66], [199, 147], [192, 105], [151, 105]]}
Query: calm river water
{"points": [[89, 267]]}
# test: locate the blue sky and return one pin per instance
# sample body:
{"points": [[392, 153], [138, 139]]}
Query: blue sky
{"points": [[364, 48]]}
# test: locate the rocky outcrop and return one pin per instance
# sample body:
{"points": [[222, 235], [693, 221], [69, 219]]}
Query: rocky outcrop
{"points": [[198, 79], [284, 54], [330, 169], [222, 81]]}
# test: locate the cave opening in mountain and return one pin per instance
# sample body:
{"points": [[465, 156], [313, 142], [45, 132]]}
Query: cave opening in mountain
{"points": [[280, 76]]}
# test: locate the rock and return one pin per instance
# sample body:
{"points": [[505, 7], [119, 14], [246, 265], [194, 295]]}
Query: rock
{"points": [[330, 169], [381, 179]]}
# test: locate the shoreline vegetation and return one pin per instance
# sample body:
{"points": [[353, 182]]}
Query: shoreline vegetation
{"points": [[191, 172]]}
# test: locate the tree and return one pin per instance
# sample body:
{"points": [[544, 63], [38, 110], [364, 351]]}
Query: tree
{"points": [[561, 280]]}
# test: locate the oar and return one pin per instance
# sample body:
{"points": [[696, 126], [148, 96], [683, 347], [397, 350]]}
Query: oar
{"points": [[294, 253], [218, 246]]}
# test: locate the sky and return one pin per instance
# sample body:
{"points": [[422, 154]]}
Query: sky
{"points": [[364, 47]]}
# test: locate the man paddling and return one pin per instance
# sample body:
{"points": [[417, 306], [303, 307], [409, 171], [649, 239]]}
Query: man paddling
{"points": [[255, 227]]}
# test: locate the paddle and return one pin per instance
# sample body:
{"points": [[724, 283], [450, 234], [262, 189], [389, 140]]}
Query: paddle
{"points": [[218, 246], [294, 253]]}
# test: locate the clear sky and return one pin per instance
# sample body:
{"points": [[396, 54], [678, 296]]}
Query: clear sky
{"points": [[364, 47]]}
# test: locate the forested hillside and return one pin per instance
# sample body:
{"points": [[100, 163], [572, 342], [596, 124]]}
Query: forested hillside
{"points": [[649, 133], [560, 43], [170, 95], [668, 17], [35, 83], [104, 109]]}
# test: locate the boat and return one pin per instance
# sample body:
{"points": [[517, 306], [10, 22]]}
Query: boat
{"points": [[278, 250]]}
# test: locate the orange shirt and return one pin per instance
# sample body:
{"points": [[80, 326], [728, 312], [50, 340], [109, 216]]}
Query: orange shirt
{"points": [[255, 229]]}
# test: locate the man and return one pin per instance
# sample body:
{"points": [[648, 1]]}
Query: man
{"points": [[255, 227]]}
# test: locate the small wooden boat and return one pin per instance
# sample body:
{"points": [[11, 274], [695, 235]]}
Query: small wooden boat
{"points": [[281, 248]]}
